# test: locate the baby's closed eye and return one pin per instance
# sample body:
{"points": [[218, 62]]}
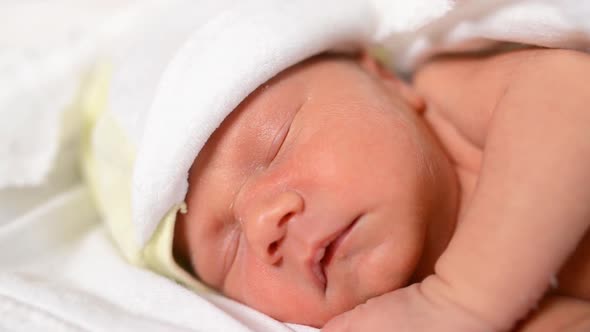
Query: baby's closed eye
{"points": [[278, 140]]}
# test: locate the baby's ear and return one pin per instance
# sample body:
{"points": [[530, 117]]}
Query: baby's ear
{"points": [[392, 82]]}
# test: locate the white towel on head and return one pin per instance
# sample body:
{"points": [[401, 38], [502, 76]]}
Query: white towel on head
{"points": [[227, 58], [219, 65]]}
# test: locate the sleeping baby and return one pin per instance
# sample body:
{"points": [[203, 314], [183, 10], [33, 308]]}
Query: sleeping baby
{"points": [[334, 184], [310, 183]]}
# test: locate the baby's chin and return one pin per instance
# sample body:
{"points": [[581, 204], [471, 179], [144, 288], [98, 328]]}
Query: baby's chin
{"points": [[316, 311], [318, 314]]}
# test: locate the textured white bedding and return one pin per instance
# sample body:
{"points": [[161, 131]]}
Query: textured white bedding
{"points": [[58, 269]]}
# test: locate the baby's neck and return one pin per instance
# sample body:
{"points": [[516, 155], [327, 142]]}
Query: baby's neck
{"points": [[450, 189]]}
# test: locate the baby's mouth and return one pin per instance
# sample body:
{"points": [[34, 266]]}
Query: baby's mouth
{"points": [[324, 255], [318, 267]]}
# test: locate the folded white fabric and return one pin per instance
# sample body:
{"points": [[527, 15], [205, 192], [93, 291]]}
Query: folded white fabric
{"points": [[475, 25], [60, 272], [44, 50]]}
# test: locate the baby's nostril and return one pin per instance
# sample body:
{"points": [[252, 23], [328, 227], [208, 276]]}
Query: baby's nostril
{"points": [[285, 218], [273, 247]]}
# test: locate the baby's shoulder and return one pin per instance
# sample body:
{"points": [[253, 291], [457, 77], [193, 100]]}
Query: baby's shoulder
{"points": [[552, 74], [466, 89]]}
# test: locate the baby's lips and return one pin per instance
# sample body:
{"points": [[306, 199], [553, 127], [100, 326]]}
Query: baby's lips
{"points": [[332, 248], [323, 256], [317, 267]]}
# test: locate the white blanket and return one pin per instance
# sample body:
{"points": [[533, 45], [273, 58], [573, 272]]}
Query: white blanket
{"points": [[58, 269], [67, 276]]}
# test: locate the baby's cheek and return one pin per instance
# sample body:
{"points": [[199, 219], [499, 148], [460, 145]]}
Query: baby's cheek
{"points": [[387, 269], [389, 263]]}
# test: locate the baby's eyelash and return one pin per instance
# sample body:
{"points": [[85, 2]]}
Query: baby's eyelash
{"points": [[279, 140], [282, 134]]}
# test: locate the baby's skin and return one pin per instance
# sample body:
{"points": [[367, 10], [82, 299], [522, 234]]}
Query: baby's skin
{"points": [[335, 193]]}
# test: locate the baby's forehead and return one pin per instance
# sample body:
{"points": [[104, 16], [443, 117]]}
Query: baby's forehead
{"points": [[292, 86], [257, 118], [250, 128]]}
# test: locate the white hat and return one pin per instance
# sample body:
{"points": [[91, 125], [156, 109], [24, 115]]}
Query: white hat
{"points": [[218, 66]]}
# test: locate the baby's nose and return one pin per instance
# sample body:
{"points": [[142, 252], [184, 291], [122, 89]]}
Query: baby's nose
{"points": [[265, 220]]}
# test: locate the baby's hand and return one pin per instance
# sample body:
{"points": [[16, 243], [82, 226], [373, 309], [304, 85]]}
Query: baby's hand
{"points": [[418, 307]]}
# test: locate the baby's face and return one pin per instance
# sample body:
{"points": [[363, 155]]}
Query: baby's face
{"points": [[314, 195]]}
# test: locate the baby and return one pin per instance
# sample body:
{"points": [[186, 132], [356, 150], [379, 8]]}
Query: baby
{"points": [[335, 193]]}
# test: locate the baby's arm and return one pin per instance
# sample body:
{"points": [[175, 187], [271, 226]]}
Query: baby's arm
{"points": [[531, 206], [529, 210]]}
